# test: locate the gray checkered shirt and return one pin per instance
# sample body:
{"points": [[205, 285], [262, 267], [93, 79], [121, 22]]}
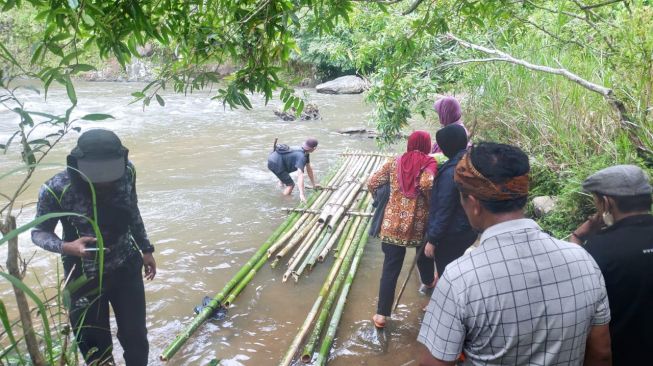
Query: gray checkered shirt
{"points": [[521, 298]]}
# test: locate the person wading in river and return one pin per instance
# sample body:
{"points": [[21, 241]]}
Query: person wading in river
{"points": [[284, 160], [404, 220], [102, 161]]}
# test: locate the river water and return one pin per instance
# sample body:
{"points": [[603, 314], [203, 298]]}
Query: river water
{"points": [[208, 202]]}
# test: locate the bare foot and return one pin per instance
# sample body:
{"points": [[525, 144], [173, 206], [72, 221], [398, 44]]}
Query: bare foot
{"points": [[379, 321], [288, 190]]}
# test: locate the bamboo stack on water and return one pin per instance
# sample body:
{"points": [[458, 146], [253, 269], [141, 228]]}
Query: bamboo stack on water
{"points": [[337, 215]]}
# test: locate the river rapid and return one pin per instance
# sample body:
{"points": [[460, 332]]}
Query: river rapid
{"points": [[208, 202]]}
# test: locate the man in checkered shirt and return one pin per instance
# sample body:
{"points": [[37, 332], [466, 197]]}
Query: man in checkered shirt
{"points": [[522, 297]]}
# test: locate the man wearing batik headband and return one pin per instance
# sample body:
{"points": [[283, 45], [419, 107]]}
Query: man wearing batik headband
{"points": [[517, 298]]}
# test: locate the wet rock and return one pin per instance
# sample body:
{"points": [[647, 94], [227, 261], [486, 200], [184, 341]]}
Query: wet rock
{"points": [[136, 70], [349, 84], [310, 112], [145, 51], [359, 131], [543, 205]]}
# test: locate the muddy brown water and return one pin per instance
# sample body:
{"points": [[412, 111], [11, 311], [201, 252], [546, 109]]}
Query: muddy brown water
{"points": [[208, 202]]}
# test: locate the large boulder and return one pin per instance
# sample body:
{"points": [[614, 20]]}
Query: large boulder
{"points": [[349, 84]]}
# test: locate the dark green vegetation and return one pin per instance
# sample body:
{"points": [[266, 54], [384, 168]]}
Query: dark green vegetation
{"points": [[570, 81]]}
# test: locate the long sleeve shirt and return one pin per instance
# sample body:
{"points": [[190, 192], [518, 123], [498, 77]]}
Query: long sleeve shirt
{"points": [[446, 214], [404, 219], [121, 226]]}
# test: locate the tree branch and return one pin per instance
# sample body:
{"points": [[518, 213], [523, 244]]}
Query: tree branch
{"points": [[545, 31], [554, 11], [588, 7], [471, 61], [412, 7], [607, 93]]}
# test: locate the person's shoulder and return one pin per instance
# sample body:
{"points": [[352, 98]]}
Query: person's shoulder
{"points": [[58, 182], [461, 272], [573, 253]]}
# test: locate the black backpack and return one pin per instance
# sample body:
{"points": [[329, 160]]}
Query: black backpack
{"points": [[281, 148]]}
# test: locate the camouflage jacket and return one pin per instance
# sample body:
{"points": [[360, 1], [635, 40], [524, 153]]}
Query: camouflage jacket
{"points": [[121, 224]]}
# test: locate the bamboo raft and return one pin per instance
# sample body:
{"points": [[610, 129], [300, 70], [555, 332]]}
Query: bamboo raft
{"points": [[334, 219]]}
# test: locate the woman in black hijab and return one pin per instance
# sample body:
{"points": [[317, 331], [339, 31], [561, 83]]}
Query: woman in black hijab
{"points": [[448, 233]]}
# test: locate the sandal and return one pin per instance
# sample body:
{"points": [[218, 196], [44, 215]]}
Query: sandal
{"points": [[423, 288], [379, 321]]}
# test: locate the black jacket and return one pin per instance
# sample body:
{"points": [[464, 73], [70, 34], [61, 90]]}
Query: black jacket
{"points": [[446, 215], [624, 252]]}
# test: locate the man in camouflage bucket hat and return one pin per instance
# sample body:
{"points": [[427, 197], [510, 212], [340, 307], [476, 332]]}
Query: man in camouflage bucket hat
{"points": [[100, 160]]}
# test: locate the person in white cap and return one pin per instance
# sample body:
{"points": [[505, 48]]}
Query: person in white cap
{"points": [[284, 160], [620, 238]]}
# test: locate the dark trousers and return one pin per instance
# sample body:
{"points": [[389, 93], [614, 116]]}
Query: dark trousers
{"points": [[89, 316], [450, 248], [392, 263]]}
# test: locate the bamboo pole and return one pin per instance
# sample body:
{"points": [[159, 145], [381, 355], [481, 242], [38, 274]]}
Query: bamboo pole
{"points": [[298, 237], [344, 229], [316, 204], [236, 291], [341, 172], [297, 222], [289, 233], [334, 200], [312, 254], [294, 260], [307, 354], [344, 206], [338, 204], [366, 154], [350, 235], [343, 224], [337, 312], [344, 235], [179, 341], [303, 330], [314, 212]]}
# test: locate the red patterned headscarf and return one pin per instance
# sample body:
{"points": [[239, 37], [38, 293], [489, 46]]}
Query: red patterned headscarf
{"points": [[471, 181], [413, 162]]}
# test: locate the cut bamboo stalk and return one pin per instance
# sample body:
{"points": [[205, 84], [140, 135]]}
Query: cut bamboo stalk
{"points": [[334, 200], [346, 223], [324, 236], [294, 225], [345, 166], [307, 355], [236, 291], [344, 206], [294, 260], [330, 334], [297, 238], [365, 201], [303, 330], [215, 303], [343, 237], [288, 234]]}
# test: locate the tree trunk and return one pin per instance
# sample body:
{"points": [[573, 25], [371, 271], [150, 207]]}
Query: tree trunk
{"points": [[21, 300]]}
